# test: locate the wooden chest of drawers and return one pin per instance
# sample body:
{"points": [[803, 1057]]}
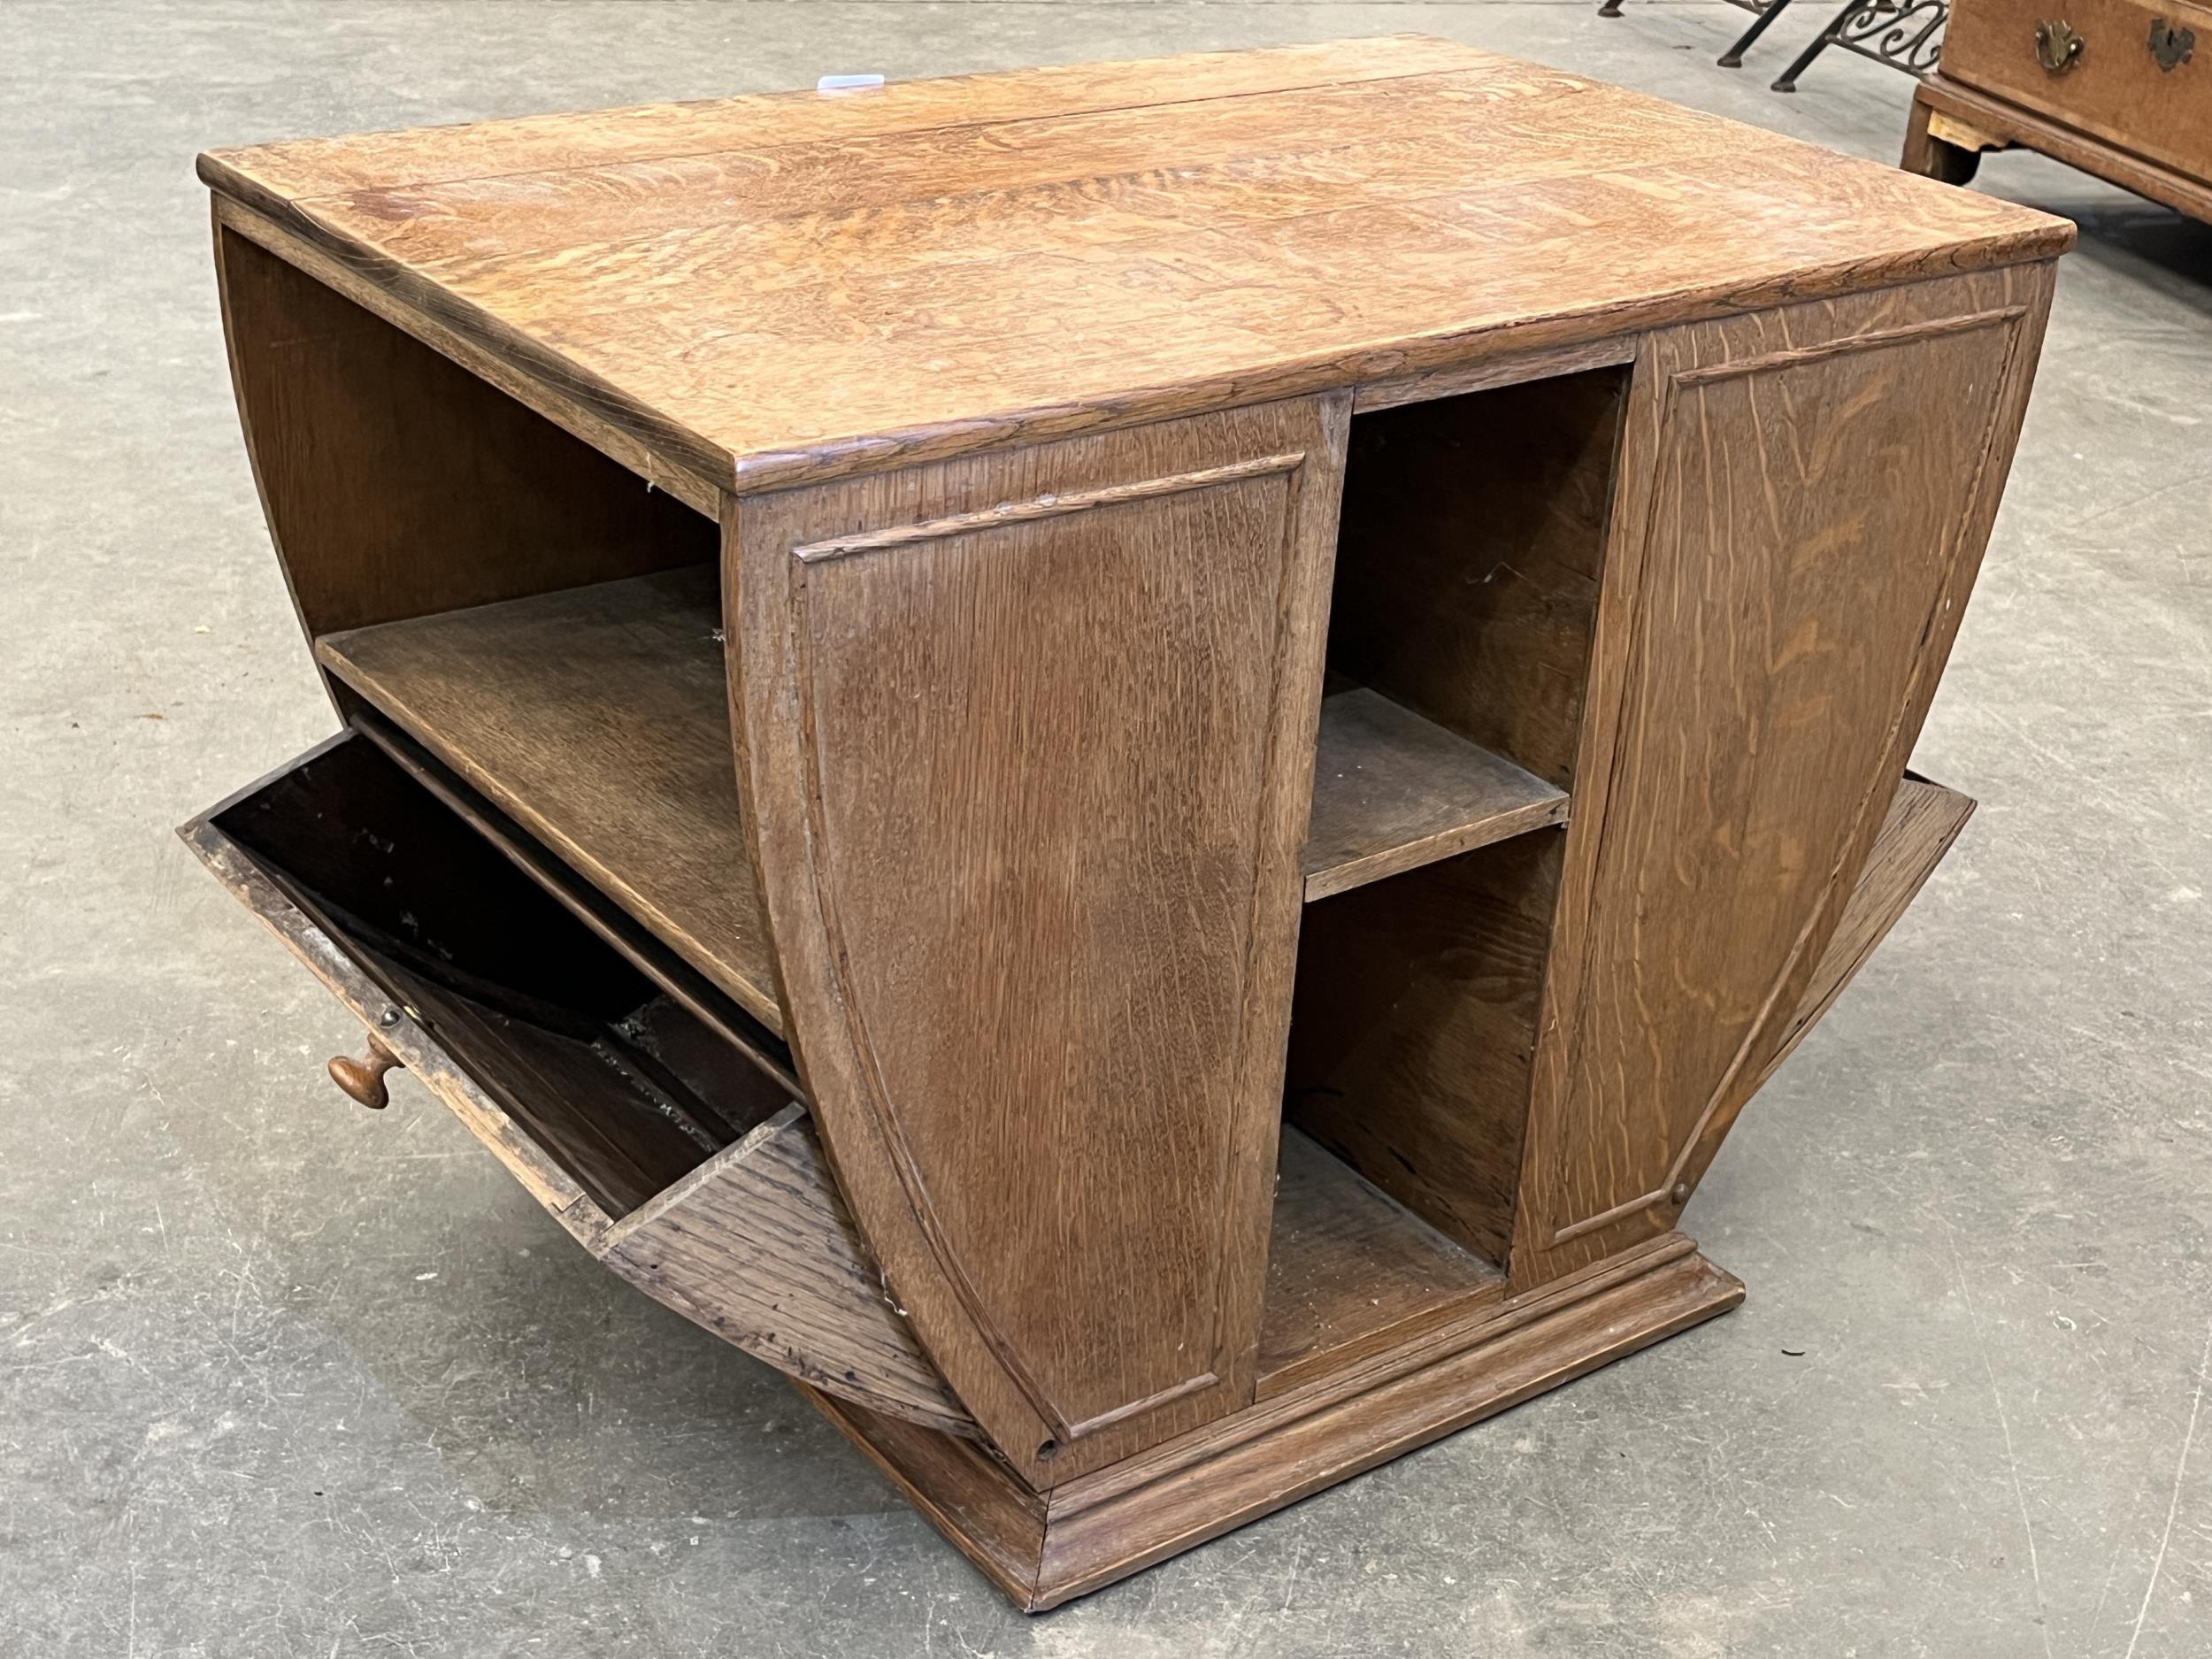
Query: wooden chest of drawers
{"points": [[2122, 88]]}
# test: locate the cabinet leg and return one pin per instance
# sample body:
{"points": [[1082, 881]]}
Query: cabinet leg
{"points": [[1933, 157]]}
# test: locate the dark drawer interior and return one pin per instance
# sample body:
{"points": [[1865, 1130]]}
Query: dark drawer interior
{"points": [[623, 1087]]}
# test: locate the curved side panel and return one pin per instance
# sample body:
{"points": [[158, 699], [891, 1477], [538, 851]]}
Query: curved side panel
{"points": [[1924, 820], [1027, 741], [396, 483], [1786, 574]]}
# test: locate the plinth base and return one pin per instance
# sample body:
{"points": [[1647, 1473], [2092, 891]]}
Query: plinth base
{"points": [[1043, 1549]]}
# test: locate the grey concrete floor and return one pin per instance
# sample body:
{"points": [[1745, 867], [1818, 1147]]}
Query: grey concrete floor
{"points": [[279, 1378]]}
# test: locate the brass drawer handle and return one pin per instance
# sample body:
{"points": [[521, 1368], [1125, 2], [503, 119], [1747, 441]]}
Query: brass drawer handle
{"points": [[364, 1079], [2057, 48], [2170, 45]]}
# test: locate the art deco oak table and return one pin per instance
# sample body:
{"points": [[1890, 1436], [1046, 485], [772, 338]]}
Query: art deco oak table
{"points": [[1129, 763]]}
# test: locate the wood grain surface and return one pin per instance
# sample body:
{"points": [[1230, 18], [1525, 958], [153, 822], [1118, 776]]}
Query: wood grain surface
{"points": [[1351, 1271], [396, 483], [1924, 819], [1778, 629], [2115, 90], [758, 1246], [552, 1187], [715, 1010], [660, 1148], [1473, 534], [1095, 1530], [1414, 1029], [759, 291], [597, 718], [1030, 791], [835, 596], [1393, 791]]}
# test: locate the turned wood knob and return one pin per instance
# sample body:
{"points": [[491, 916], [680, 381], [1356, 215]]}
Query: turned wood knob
{"points": [[364, 1079]]}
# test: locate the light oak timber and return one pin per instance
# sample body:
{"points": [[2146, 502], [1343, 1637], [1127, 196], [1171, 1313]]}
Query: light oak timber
{"points": [[598, 718], [667, 460], [1413, 1031], [1125, 926], [1924, 820], [477, 150], [625, 755], [1473, 533], [1803, 770], [1117, 265], [553, 1187], [752, 1241], [685, 983], [1351, 1271], [1093, 1532], [395, 483], [756, 1246], [1510, 369], [1132, 764], [1393, 792]]}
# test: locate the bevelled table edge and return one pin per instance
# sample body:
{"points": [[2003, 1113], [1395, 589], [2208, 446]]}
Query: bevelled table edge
{"points": [[665, 454], [700, 472]]}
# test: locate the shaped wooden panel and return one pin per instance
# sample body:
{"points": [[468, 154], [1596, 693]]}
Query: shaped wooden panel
{"points": [[1924, 820], [756, 1244], [396, 483], [655, 1144], [1026, 740], [1806, 496]]}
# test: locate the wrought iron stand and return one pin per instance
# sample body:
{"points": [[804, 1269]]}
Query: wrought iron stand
{"points": [[1905, 35]]}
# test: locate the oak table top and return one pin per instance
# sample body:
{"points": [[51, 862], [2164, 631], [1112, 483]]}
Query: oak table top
{"points": [[750, 292]]}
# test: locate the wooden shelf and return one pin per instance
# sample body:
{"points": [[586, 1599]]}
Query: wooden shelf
{"points": [[1393, 791], [598, 718], [1351, 1271]]}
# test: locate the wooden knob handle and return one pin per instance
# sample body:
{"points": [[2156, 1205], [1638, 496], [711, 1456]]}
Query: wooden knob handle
{"points": [[364, 1079]]}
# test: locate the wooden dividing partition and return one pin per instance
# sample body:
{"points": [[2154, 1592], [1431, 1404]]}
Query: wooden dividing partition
{"points": [[1136, 781]]}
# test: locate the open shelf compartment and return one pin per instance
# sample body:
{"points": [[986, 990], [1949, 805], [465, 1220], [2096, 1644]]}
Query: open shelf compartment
{"points": [[579, 737], [1470, 547], [598, 719], [1393, 791]]}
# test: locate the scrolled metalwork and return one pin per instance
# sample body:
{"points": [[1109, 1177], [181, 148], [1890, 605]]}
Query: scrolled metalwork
{"points": [[1906, 36]]}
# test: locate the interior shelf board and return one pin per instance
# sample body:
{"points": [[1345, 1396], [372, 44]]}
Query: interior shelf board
{"points": [[1351, 1271], [598, 718], [1393, 791]]}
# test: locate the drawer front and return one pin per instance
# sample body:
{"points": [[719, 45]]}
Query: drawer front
{"points": [[2137, 72], [395, 1032], [666, 1150]]}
